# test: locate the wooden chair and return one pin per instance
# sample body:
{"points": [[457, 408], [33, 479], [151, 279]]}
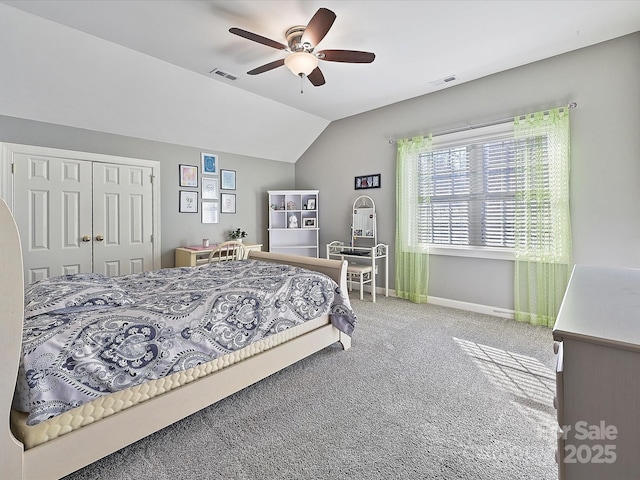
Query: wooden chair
{"points": [[226, 251]]}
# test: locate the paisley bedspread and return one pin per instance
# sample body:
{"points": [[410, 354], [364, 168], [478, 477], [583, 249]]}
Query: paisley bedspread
{"points": [[88, 335]]}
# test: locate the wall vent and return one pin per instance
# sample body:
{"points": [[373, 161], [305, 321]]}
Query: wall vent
{"points": [[441, 81], [223, 74]]}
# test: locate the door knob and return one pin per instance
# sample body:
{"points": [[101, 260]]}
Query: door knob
{"points": [[86, 238], [99, 238]]}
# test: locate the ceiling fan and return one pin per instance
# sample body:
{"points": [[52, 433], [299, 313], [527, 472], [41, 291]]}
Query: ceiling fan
{"points": [[301, 40]]}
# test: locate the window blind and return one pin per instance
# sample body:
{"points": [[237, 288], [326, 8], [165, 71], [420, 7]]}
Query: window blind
{"points": [[467, 192]]}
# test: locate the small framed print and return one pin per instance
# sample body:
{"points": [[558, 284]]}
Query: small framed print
{"points": [[209, 164], [367, 181], [311, 204], [228, 179], [308, 223], [210, 188], [228, 203], [210, 212], [188, 176], [188, 202]]}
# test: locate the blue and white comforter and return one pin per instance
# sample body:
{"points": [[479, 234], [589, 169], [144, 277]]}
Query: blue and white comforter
{"points": [[88, 335]]}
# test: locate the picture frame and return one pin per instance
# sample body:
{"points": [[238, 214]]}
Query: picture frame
{"points": [[188, 201], [188, 175], [210, 212], [367, 181], [209, 163], [228, 179], [311, 204], [228, 203], [309, 222], [210, 188]]}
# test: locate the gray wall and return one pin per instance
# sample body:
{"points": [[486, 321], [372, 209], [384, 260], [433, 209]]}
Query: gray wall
{"points": [[605, 174], [254, 177]]}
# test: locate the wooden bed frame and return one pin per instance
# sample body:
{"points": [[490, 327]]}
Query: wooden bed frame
{"points": [[74, 450]]}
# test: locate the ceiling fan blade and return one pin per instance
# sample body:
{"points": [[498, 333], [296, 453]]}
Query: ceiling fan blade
{"points": [[318, 26], [316, 77], [348, 56], [257, 38], [266, 67]]}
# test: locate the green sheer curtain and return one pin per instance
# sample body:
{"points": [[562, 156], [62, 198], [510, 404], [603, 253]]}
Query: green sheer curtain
{"points": [[412, 259], [543, 223]]}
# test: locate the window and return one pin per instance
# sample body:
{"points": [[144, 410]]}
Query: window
{"points": [[498, 192], [467, 189]]}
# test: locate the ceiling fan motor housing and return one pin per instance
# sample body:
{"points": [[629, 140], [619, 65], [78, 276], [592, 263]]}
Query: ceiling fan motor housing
{"points": [[294, 39]]}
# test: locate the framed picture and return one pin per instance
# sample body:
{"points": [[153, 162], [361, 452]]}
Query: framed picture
{"points": [[210, 212], [188, 176], [228, 179], [228, 201], [367, 181], [209, 164], [309, 223], [311, 204], [210, 188], [188, 201]]}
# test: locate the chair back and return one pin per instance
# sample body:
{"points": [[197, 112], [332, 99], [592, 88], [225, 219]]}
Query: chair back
{"points": [[227, 251]]}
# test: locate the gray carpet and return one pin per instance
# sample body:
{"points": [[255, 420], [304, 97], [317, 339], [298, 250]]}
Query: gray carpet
{"points": [[426, 392]]}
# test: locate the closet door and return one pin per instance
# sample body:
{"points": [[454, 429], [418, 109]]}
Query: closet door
{"points": [[122, 219], [52, 208], [78, 216]]}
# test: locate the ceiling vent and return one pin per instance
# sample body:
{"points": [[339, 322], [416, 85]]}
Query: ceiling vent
{"points": [[222, 74], [442, 81]]}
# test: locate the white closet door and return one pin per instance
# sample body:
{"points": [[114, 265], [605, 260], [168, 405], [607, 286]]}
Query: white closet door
{"points": [[52, 207], [122, 219]]}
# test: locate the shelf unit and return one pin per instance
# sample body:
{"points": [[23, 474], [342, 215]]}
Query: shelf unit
{"points": [[293, 222]]}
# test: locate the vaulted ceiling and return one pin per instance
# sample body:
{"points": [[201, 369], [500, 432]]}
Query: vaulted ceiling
{"points": [[164, 55]]}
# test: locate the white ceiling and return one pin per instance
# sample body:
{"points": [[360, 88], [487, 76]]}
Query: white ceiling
{"points": [[415, 42]]}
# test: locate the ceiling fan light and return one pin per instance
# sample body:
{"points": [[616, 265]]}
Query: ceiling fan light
{"points": [[301, 63]]}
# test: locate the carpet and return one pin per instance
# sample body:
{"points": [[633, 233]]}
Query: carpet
{"points": [[425, 392]]}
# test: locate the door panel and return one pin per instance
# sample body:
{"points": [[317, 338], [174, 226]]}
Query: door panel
{"points": [[122, 211], [52, 208]]}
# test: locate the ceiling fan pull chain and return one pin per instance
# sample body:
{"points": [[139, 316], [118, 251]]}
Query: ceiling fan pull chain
{"points": [[301, 84]]}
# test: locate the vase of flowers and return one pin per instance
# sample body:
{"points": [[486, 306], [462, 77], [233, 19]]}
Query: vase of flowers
{"points": [[238, 234]]}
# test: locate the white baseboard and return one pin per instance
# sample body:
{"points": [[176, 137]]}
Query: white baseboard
{"points": [[446, 302], [472, 307]]}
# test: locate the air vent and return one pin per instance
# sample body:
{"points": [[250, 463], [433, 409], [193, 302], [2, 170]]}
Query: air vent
{"points": [[441, 81], [223, 74]]}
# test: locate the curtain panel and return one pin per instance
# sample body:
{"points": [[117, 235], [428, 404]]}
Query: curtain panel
{"points": [[412, 259], [543, 246]]}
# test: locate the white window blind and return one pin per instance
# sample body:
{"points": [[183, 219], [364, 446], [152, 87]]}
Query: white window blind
{"points": [[467, 190]]}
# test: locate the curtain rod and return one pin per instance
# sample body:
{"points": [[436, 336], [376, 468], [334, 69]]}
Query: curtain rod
{"points": [[571, 105]]}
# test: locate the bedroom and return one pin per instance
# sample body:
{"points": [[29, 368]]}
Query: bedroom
{"points": [[603, 79]]}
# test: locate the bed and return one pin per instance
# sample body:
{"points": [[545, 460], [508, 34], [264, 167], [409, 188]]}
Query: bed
{"points": [[103, 425]]}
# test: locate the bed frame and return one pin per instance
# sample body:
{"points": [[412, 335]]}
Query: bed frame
{"points": [[53, 459]]}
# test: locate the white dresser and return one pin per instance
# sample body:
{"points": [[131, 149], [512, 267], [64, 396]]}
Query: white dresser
{"points": [[597, 336]]}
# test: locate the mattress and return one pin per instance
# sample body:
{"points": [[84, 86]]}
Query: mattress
{"points": [[87, 336], [102, 407]]}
